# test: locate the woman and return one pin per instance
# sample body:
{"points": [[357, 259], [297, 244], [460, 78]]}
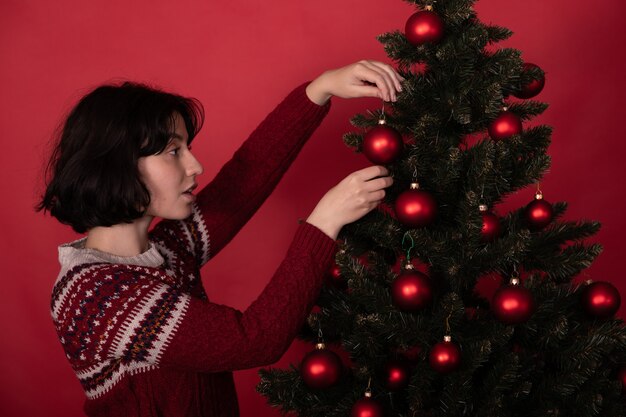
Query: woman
{"points": [[128, 305]]}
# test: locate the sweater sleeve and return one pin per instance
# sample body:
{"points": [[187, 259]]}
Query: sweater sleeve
{"points": [[225, 205], [214, 338]]}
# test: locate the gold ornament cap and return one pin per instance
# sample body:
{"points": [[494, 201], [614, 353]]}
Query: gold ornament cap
{"points": [[538, 195], [368, 394], [320, 346], [483, 207], [447, 338], [415, 186], [409, 266], [381, 121], [514, 281]]}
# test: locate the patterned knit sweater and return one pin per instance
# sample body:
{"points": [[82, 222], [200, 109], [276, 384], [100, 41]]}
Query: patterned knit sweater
{"points": [[140, 333]]}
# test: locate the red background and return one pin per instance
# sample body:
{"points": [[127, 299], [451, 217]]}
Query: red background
{"points": [[240, 58]]}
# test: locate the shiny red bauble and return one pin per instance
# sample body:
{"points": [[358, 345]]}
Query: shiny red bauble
{"points": [[491, 227], [538, 213], [335, 278], [445, 357], [600, 299], [320, 368], [411, 291], [416, 208], [396, 375], [382, 144], [504, 126], [532, 88], [424, 27], [367, 407], [513, 304]]}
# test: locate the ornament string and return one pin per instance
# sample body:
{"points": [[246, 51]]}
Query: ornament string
{"points": [[408, 250], [448, 330], [368, 390], [415, 174]]}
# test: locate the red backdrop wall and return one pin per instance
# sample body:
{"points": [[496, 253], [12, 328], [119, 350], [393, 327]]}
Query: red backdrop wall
{"points": [[240, 58]]}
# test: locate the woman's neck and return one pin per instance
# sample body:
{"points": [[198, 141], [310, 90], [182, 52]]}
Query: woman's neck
{"points": [[124, 239]]}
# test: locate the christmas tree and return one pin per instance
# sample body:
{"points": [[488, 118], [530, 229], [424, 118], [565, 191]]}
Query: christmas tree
{"points": [[401, 302]]}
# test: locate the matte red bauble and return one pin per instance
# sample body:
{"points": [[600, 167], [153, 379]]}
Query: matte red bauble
{"points": [[382, 144], [601, 299], [532, 88], [320, 368], [491, 225], [411, 291], [423, 27], [396, 375], [513, 304], [367, 407], [621, 375], [538, 213], [504, 126], [445, 356], [416, 208]]}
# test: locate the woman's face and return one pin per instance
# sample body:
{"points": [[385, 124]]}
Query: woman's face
{"points": [[171, 177]]}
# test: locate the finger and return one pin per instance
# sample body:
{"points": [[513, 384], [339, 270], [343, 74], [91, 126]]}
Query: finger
{"points": [[378, 183], [389, 81], [368, 91], [373, 74], [368, 173], [391, 72], [377, 196]]}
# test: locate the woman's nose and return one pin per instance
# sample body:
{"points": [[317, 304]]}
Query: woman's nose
{"points": [[194, 167]]}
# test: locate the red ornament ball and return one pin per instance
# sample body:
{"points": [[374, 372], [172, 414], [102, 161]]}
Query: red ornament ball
{"points": [[424, 27], [396, 375], [320, 369], [491, 227], [382, 144], [411, 291], [621, 375], [513, 304], [335, 278], [445, 357], [538, 213], [367, 407], [504, 126], [600, 299], [416, 208], [532, 88]]}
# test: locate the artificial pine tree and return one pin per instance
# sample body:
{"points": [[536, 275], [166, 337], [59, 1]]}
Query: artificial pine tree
{"points": [[401, 302]]}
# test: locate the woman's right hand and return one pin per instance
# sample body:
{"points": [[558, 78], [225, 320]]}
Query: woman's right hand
{"points": [[354, 197]]}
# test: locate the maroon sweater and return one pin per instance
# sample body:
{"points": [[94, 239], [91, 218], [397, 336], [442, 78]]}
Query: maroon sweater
{"points": [[140, 332]]}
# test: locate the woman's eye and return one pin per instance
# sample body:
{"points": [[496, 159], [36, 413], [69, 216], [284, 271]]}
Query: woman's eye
{"points": [[174, 151]]}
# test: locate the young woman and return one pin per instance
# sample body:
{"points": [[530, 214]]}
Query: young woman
{"points": [[128, 305]]}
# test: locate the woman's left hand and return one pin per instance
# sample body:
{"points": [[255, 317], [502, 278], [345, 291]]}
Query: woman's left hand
{"points": [[362, 79]]}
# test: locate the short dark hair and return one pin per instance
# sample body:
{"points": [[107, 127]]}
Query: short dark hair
{"points": [[92, 177]]}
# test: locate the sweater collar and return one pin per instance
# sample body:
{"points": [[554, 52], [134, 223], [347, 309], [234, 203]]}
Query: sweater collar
{"points": [[75, 253]]}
